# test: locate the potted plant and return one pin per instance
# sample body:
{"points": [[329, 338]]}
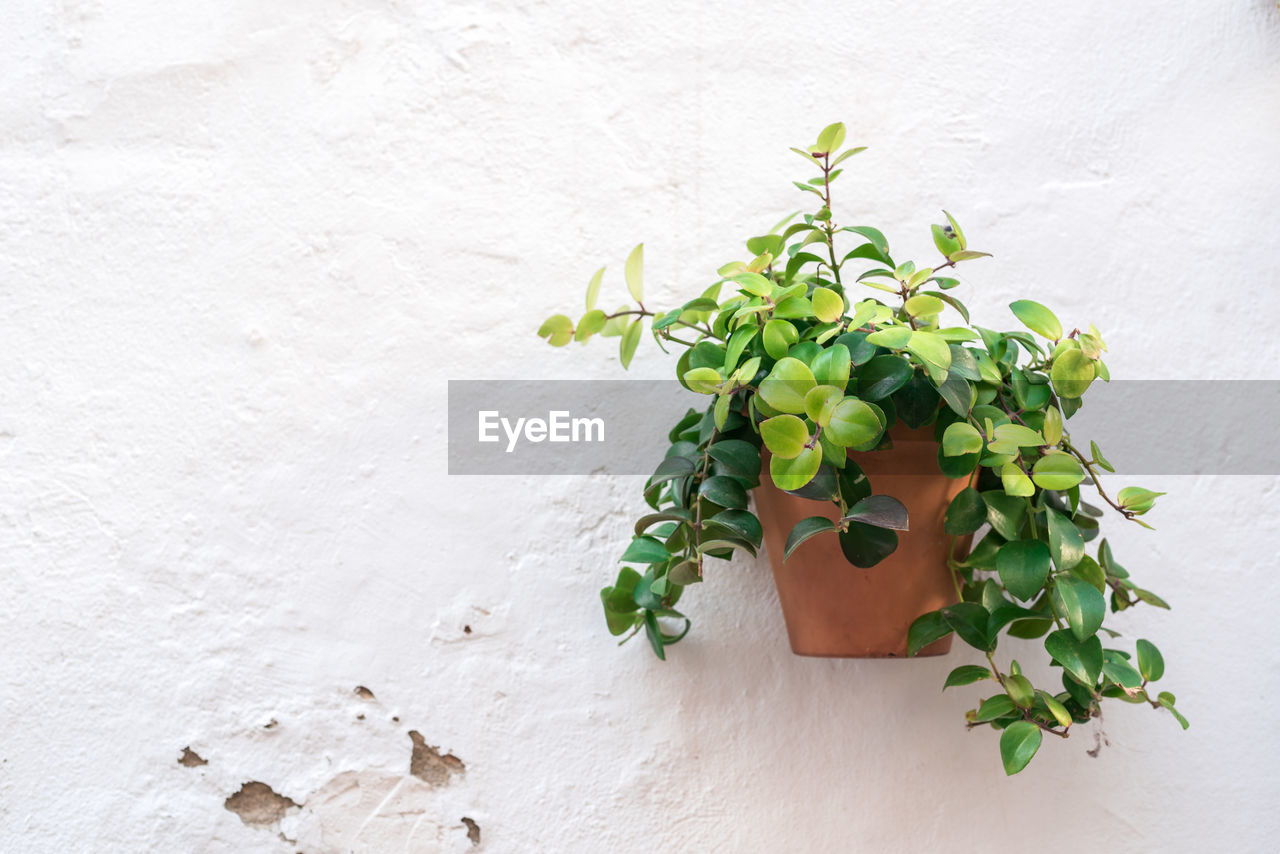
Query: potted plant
{"points": [[881, 431]]}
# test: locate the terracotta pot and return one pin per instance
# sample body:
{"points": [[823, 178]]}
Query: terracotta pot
{"points": [[837, 610]]}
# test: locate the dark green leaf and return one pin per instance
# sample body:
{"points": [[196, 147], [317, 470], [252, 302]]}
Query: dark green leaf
{"points": [[725, 491], [1024, 567], [803, 530], [645, 549], [741, 458], [926, 629], [917, 401], [654, 633], [882, 376], [1005, 513], [966, 513], [866, 545], [969, 620], [741, 522], [882, 511]]}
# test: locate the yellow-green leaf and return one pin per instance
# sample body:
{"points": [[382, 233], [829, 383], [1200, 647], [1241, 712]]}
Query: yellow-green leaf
{"points": [[593, 288], [557, 329], [634, 272]]}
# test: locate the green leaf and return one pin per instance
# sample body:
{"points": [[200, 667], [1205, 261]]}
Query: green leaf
{"points": [[703, 380], [1059, 711], [933, 350], [961, 438], [1080, 603], [1150, 661], [794, 473], [671, 468], [893, 337], [634, 272], [831, 366], [778, 336], [882, 511], [738, 342], [805, 529], [831, 138], [966, 674], [1166, 699], [1015, 481], [926, 629], [741, 522], [591, 323], [557, 329], [866, 545], [994, 707], [627, 345], [1052, 429], [654, 634], [916, 402], [685, 572], [1081, 658], [645, 549], [1023, 566], [1065, 543], [786, 386], [784, 435], [725, 491], [853, 424], [958, 394], [1005, 513], [1037, 318], [966, 513], [1072, 373], [946, 243], [882, 376], [1019, 690], [1017, 436], [739, 457], [923, 305], [753, 283], [593, 288], [1137, 499], [1057, 472], [1018, 744], [969, 619], [827, 305], [1121, 672], [955, 229], [820, 403], [1097, 455]]}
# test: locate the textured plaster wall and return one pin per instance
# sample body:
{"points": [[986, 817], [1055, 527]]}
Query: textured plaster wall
{"points": [[243, 245]]}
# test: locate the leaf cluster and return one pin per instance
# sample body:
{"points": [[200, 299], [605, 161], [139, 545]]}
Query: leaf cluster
{"points": [[817, 343]]}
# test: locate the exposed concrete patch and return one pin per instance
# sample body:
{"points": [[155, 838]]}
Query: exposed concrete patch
{"points": [[427, 764], [374, 812], [258, 805], [191, 759], [473, 830]]}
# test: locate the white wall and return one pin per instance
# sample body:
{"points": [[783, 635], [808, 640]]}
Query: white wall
{"points": [[243, 246]]}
